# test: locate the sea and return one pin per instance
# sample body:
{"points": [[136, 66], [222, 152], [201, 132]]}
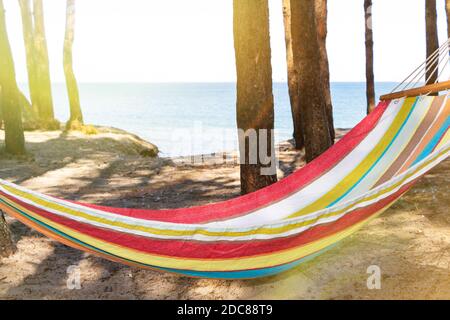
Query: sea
{"points": [[195, 118]]}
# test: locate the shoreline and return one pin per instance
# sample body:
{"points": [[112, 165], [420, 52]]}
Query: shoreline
{"points": [[183, 106]]}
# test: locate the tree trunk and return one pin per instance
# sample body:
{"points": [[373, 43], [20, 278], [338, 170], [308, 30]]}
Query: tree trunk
{"points": [[370, 78], [292, 77], [28, 38], [432, 40], [322, 32], [255, 105], [76, 116], [43, 88], [447, 10], [9, 94], [312, 105], [6, 244]]}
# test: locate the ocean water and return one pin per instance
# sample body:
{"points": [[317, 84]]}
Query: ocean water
{"points": [[194, 118]]}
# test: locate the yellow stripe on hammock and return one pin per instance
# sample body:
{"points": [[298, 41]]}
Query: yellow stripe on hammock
{"points": [[174, 233], [207, 265]]}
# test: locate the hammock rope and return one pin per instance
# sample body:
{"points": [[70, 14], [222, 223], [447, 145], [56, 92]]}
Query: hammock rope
{"points": [[273, 229], [413, 80]]}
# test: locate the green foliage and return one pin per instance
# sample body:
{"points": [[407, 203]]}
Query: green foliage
{"points": [[77, 125], [149, 153], [89, 130], [50, 125]]}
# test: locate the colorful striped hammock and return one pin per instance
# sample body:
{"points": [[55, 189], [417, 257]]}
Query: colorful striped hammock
{"points": [[269, 231]]}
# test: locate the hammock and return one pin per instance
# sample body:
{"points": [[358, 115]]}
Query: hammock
{"points": [[271, 230]]}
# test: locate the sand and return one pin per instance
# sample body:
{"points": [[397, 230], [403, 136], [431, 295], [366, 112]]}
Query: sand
{"points": [[410, 243]]}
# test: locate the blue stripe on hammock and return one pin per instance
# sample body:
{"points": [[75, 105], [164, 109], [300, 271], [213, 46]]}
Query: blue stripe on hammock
{"points": [[245, 274], [379, 159], [252, 274], [434, 142]]}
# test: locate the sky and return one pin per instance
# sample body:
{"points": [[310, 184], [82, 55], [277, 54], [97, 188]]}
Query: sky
{"points": [[192, 41]]}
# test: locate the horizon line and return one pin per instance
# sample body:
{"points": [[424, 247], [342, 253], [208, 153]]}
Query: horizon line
{"points": [[190, 82]]}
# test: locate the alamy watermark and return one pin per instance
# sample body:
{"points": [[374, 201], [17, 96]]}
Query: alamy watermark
{"points": [[374, 280], [253, 146], [73, 278]]}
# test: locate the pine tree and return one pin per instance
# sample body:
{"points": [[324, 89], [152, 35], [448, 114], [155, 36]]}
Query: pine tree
{"points": [[370, 78], [10, 101], [76, 116], [307, 58], [255, 104], [431, 39]]}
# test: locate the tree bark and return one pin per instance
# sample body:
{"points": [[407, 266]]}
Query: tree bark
{"points": [[44, 87], [255, 105], [322, 32], [312, 103], [6, 244], [292, 78], [370, 77], [432, 40], [9, 94], [76, 115]]}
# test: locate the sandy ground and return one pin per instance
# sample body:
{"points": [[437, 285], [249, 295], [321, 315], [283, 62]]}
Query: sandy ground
{"points": [[410, 243]]}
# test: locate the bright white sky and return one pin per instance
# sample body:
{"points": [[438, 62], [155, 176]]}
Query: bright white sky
{"points": [[179, 40]]}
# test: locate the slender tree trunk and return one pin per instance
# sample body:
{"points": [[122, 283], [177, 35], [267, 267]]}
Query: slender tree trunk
{"points": [[432, 40], [76, 115], [447, 10], [370, 77], [312, 105], [28, 37], [255, 106], [9, 94], [6, 244], [322, 32], [44, 88], [292, 78]]}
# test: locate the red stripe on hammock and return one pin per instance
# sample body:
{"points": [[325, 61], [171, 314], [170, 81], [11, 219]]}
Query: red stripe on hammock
{"points": [[251, 202], [219, 249]]}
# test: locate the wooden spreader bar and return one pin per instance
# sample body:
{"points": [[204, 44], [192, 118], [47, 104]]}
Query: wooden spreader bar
{"points": [[429, 89]]}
